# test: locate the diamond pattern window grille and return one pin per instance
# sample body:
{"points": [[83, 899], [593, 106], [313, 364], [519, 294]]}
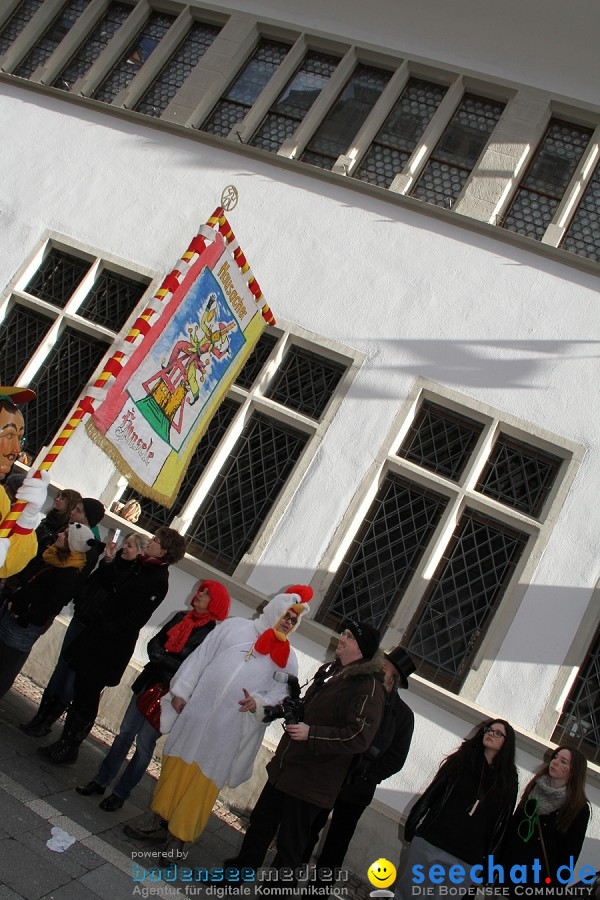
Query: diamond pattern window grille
{"points": [[401, 132], [384, 555], [247, 87], [579, 724], [305, 382], [57, 277], [134, 57], [244, 492], [256, 360], [341, 125], [583, 234], [457, 151], [89, 52], [59, 382], [547, 179], [440, 440], [21, 333], [17, 22], [295, 101], [195, 44], [43, 48], [463, 595], [154, 515], [519, 475], [112, 299]]}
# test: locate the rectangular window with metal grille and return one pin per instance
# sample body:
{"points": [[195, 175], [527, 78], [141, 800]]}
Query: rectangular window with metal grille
{"points": [[579, 723], [243, 494], [91, 49], [401, 132], [583, 234], [519, 475], [458, 150], [66, 282], [429, 482], [174, 73], [134, 57], [384, 555], [294, 102], [247, 87], [23, 14], [463, 595], [43, 48], [547, 179], [340, 126]]}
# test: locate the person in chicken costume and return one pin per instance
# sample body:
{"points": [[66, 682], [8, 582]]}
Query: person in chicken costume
{"points": [[214, 713], [18, 549]]}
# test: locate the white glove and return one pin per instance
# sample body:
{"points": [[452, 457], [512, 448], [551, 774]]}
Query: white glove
{"points": [[33, 491], [4, 548]]}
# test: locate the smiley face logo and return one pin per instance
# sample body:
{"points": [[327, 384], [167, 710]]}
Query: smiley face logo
{"points": [[381, 873]]}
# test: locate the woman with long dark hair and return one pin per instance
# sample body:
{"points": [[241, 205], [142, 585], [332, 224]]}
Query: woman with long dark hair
{"points": [[551, 819], [462, 815]]}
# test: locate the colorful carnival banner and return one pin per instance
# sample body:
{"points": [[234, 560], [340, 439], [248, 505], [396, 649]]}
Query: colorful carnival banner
{"points": [[166, 393]]}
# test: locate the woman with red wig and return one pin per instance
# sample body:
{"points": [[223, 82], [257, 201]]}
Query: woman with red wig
{"points": [[176, 640], [214, 713]]}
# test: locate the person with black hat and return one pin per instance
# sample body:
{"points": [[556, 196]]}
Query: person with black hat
{"points": [[342, 712], [386, 756]]}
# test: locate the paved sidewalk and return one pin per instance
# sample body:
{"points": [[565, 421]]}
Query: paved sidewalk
{"points": [[36, 795]]}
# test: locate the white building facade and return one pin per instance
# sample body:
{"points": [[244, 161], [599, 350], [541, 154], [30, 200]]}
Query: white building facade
{"points": [[418, 436]]}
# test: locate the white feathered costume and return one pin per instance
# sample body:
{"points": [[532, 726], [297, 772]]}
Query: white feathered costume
{"points": [[211, 743]]}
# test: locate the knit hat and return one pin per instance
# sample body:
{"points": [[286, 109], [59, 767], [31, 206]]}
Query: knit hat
{"points": [[94, 511], [402, 663], [79, 537], [367, 637]]}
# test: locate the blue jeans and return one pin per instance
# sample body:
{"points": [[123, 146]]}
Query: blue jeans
{"points": [[134, 726]]}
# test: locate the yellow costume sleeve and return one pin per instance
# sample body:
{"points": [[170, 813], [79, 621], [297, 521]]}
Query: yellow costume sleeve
{"points": [[23, 547]]}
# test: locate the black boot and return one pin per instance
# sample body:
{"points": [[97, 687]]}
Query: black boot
{"points": [[66, 750], [51, 709]]}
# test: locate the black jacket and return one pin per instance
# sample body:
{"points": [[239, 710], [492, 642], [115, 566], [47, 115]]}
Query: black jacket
{"points": [[560, 846], [386, 755], [164, 663], [431, 803], [44, 595], [105, 646]]}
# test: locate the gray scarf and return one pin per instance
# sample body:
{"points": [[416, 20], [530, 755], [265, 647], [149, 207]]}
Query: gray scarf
{"points": [[549, 798]]}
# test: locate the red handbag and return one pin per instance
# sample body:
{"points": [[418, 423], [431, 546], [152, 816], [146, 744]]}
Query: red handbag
{"points": [[148, 703]]}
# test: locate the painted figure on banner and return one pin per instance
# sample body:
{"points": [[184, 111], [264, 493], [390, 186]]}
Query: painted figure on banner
{"points": [[165, 395]]}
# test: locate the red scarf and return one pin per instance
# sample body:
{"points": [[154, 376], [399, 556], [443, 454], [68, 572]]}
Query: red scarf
{"points": [[177, 636]]}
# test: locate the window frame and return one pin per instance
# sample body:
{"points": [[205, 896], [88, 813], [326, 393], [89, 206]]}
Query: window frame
{"points": [[462, 495]]}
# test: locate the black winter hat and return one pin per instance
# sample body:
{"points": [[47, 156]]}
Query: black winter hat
{"points": [[94, 511], [367, 637]]}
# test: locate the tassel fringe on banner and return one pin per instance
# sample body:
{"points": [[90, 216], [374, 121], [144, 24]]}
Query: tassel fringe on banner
{"points": [[141, 326]]}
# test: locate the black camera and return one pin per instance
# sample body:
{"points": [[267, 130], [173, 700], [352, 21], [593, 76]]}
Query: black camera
{"points": [[290, 709]]}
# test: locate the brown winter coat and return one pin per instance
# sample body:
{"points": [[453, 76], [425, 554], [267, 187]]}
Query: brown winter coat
{"points": [[343, 707]]}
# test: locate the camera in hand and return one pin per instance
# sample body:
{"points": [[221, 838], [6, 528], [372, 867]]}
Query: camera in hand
{"points": [[291, 708]]}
